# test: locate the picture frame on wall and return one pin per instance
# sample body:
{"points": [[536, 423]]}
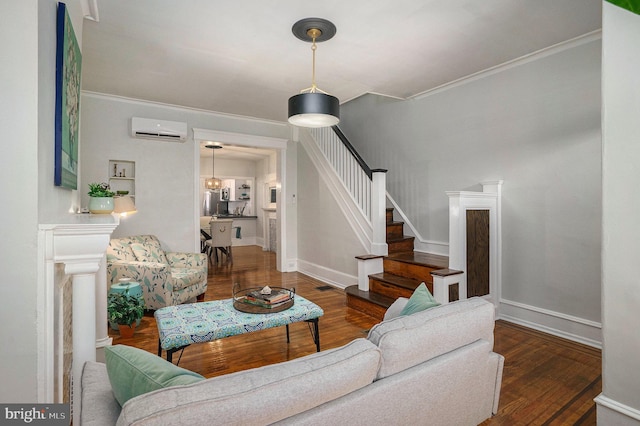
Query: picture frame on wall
{"points": [[270, 196], [67, 110]]}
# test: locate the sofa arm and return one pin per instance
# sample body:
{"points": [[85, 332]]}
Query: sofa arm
{"points": [[187, 260], [136, 270]]}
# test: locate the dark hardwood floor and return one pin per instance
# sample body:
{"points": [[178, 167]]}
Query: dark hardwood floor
{"points": [[547, 380]]}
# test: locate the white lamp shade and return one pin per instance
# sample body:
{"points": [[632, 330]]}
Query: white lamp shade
{"points": [[124, 205]]}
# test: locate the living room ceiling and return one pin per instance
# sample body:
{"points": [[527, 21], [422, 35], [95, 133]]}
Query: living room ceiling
{"points": [[240, 57]]}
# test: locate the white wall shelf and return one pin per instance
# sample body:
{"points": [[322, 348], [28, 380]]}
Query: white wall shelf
{"points": [[122, 176]]}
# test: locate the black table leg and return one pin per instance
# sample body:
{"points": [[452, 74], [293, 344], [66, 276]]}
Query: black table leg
{"points": [[315, 333], [159, 348], [170, 353]]}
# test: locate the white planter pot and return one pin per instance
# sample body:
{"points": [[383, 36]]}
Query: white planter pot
{"points": [[100, 205]]}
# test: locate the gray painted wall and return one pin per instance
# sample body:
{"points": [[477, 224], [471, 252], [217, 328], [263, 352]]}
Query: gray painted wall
{"points": [[166, 196], [325, 238], [535, 125]]}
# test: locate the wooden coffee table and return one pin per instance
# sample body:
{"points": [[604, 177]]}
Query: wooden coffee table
{"points": [[183, 325]]}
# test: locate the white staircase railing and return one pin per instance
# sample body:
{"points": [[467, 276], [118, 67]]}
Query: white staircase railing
{"points": [[355, 178], [366, 187]]}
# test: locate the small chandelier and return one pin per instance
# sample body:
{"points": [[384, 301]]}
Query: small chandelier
{"points": [[313, 107], [213, 183]]}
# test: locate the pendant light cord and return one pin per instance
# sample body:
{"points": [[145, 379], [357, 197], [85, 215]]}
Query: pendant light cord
{"points": [[313, 73], [313, 33]]}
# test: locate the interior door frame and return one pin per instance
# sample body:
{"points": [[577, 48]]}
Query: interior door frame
{"points": [[252, 141]]}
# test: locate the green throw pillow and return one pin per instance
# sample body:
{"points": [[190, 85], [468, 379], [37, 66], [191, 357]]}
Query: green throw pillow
{"points": [[133, 372], [420, 300]]}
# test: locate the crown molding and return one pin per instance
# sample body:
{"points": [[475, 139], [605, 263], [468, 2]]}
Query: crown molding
{"points": [[534, 56], [100, 95]]}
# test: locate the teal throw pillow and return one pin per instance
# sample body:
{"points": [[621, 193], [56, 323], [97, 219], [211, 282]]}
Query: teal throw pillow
{"points": [[420, 300], [133, 372]]}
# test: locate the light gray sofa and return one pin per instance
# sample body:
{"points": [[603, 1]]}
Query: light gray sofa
{"points": [[434, 367]]}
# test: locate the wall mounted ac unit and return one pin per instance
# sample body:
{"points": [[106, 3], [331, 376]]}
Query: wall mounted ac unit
{"points": [[147, 128]]}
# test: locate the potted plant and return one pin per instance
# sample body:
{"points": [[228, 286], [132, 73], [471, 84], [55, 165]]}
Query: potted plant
{"points": [[124, 310], [100, 198]]}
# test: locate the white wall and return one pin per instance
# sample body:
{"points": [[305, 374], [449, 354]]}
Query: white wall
{"points": [[228, 167], [27, 84], [287, 205], [619, 402], [327, 245], [19, 177], [537, 126], [167, 195]]}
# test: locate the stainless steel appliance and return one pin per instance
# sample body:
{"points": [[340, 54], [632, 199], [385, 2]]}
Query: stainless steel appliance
{"points": [[213, 205]]}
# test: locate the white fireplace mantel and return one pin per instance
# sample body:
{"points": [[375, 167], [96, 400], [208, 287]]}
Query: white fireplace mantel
{"points": [[79, 242]]}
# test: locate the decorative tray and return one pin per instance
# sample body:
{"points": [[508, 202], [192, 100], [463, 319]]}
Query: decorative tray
{"points": [[257, 300]]}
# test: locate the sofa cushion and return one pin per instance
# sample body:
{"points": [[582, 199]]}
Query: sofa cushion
{"points": [[406, 341], [420, 300], [99, 407], [395, 308], [262, 395], [133, 372]]}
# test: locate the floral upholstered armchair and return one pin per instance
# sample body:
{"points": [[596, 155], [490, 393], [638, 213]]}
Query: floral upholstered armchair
{"points": [[166, 278]]}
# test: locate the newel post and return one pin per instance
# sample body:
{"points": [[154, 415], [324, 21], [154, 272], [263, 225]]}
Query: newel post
{"points": [[378, 211]]}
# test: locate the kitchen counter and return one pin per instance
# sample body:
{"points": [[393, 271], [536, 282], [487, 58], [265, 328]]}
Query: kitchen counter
{"points": [[244, 228]]}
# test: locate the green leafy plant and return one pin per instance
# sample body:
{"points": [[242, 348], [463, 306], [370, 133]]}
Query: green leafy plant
{"points": [[124, 308], [630, 5], [100, 190]]}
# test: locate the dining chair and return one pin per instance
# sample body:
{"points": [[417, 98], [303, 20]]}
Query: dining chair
{"points": [[220, 240]]}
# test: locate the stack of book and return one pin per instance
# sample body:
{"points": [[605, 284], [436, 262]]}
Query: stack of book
{"points": [[272, 300]]}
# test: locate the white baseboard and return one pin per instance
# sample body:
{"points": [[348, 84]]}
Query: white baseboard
{"points": [[558, 324], [612, 412], [292, 265], [249, 241], [329, 276]]}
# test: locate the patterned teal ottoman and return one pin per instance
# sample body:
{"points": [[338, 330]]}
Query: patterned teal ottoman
{"points": [[182, 325]]}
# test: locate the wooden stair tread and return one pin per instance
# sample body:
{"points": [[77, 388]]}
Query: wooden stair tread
{"points": [[374, 298], [397, 280], [431, 260], [403, 238]]}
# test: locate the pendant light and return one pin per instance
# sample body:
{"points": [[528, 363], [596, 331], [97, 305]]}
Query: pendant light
{"points": [[314, 107], [213, 183]]}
